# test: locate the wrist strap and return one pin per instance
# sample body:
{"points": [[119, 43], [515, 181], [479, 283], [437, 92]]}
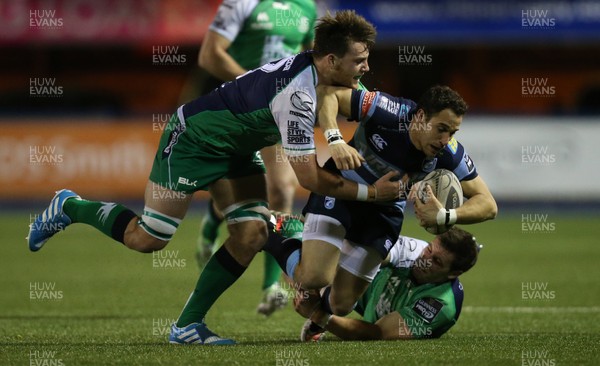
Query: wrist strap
{"points": [[363, 192], [335, 141], [446, 217], [332, 135]]}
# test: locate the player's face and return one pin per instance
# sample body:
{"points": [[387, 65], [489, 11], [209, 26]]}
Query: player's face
{"points": [[348, 70], [434, 132], [434, 264]]}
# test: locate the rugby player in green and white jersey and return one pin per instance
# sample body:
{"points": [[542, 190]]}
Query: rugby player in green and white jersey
{"points": [[244, 35], [416, 294], [211, 144]]}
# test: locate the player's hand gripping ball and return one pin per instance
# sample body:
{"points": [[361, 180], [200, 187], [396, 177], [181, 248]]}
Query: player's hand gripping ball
{"points": [[446, 188]]}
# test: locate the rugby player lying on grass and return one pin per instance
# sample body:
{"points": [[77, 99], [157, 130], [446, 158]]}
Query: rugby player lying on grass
{"points": [[416, 293]]}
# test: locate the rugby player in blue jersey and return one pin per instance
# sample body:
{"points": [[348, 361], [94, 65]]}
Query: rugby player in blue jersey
{"points": [[210, 144], [394, 134]]}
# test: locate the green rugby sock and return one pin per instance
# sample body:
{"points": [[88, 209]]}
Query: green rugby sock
{"points": [[272, 271], [221, 271], [210, 224], [108, 217]]}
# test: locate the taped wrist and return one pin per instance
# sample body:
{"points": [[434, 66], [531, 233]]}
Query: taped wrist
{"points": [[334, 136], [446, 216]]}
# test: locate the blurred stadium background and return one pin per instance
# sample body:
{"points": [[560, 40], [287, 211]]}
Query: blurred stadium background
{"points": [[85, 95], [86, 88]]}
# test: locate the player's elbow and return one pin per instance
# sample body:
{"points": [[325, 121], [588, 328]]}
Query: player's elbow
{"points": [[341, 308], [486, 207], [492, 211], [307, 172], [308, 182], [204, 59], [210, 57], [314, 178], [318, 186]]}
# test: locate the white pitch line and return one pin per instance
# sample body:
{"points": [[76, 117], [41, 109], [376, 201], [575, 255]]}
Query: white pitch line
{"points": [[532, 309]]}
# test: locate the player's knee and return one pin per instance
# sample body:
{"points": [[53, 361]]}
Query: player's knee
{"points": [[153, 232], [247, 223], [313, 280], [340, 307], [146, 244], [251, 234], [281, 196]]}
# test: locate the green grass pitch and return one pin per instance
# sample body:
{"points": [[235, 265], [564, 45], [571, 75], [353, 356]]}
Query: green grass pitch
{"points": [[533, 299]]}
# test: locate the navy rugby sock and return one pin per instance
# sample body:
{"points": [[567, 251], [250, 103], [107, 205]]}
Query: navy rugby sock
{"points": [[287, 252]]}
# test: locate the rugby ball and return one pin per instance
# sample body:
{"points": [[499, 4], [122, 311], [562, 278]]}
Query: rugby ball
{"points": [[446, 188]]}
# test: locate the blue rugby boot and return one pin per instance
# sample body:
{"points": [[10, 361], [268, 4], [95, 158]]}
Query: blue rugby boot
{"points": [[51, 221], [197, 333]]}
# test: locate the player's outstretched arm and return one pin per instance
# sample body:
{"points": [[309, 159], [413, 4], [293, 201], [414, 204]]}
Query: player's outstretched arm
{"points": [[316, 179], [213, 57], [330, 102], [386, 328]]}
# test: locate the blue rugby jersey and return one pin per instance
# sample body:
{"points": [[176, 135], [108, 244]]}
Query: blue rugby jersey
{"points": [[382, 138]]}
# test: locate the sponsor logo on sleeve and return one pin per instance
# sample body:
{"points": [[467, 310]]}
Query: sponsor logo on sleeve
{"points": [[388, 105], [298, 114], [367, 102], [302, 101], [453, 146], [469, 162], [289, 62], [296, 135], [428, 308]]}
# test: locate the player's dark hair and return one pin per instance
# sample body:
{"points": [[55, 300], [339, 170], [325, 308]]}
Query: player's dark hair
{"points": [[462, 245], [440, 97], [334, 34]]}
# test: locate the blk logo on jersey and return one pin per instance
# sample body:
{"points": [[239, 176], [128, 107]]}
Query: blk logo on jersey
{"points": [[187, 181], [302, 101]]}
